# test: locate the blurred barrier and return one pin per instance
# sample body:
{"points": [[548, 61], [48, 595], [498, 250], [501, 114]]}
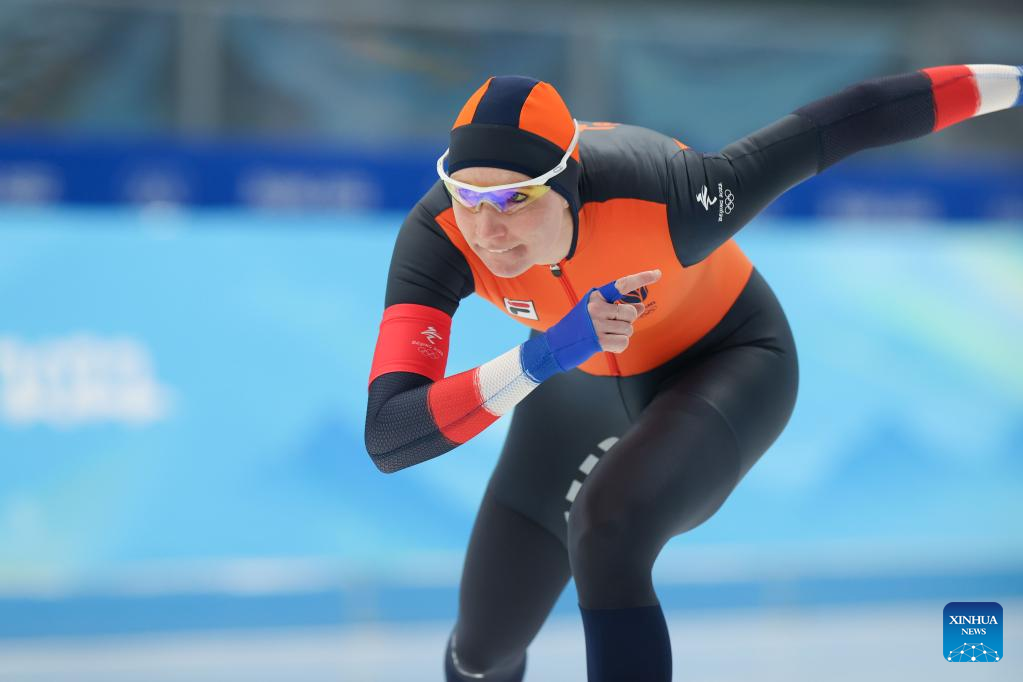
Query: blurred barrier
{"points": [[91, 615], [110, 170], [40, 169]]}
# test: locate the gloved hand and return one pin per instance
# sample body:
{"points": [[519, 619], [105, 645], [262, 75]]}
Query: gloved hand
{"points": [[595, 323]]}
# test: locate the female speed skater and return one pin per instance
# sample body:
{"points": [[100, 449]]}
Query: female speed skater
{"points": [[659, 366]]}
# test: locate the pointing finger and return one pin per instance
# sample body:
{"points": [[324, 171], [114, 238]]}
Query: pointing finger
{"points": [[640, 279]]}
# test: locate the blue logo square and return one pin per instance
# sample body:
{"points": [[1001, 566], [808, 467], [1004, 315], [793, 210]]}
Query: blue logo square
{"points": [[973, 632]]}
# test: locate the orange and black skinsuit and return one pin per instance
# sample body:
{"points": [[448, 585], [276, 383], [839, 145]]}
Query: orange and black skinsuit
{"points": [[607, 461]]}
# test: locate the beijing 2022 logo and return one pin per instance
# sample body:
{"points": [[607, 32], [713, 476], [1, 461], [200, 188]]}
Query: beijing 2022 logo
{"points": [[973, 632]]}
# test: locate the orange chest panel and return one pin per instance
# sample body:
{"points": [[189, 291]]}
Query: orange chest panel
{"points": [[620, 237]]}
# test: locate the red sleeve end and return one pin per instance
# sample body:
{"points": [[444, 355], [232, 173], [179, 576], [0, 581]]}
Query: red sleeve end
{"points": [[956, 97]]}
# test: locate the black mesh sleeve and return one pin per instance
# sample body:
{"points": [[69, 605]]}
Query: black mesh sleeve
{"points": [[399, 429], [873, 113]]}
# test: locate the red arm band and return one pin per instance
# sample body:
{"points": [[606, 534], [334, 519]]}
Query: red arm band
{"points": [[412, 338]]}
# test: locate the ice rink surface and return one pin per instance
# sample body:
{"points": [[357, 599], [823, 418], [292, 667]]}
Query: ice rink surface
{"points": [[840, 644]]}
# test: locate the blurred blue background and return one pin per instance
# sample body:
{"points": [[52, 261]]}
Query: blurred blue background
{"points": [[198, 202]]}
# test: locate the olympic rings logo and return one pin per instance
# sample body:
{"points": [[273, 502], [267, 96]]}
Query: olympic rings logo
{"points": [[728, 201], [429, 351]]}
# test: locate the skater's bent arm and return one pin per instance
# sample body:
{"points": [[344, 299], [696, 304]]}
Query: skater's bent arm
{"points": [[415, 413], [412, 417], [712, 196]]}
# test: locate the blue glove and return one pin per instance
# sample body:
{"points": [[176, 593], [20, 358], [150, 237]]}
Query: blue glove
{"points": [[569, 343]]}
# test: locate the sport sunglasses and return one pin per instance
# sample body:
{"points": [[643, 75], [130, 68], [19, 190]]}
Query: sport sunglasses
{"points": [[505, 198]]}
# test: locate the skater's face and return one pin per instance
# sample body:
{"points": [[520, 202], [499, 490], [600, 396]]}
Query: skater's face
{"points": [[512, 242]]}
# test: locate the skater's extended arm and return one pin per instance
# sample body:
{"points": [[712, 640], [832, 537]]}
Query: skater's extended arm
{"points": [[712, 195]]}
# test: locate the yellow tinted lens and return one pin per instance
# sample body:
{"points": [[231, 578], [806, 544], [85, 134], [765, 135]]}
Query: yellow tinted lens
{"points": [[523, 196]]}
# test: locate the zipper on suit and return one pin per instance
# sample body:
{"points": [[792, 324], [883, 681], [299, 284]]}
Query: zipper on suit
{"points": [[557, 269]]}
